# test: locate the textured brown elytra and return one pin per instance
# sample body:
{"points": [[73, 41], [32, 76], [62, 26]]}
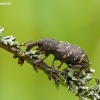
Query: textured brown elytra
{"points": [[62, 51]]}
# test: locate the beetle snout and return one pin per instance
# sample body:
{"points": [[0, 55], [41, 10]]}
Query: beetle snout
{"points": [[27, 49]]}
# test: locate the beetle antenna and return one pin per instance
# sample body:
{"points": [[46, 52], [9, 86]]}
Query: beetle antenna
{"points": [[26, 43]]}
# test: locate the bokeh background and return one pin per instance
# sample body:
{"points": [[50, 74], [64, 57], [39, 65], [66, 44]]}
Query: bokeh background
{"points": [[74, 21]]}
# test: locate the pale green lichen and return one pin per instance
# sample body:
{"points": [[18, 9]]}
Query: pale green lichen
{"points": [[9, 40], [33, 54]]}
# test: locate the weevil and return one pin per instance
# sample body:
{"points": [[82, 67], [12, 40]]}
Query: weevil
{"points": [[65, 52]]}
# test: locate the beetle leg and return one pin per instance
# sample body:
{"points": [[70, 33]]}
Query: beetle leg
{"points": [[52, 66], [30, 46], [40, 60], [60, 65]]}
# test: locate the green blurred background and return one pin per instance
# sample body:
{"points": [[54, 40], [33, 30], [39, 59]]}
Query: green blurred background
{"points": [[75, 21]]}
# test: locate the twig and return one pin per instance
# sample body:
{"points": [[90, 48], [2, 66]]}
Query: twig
{"points": [[66, 77]]}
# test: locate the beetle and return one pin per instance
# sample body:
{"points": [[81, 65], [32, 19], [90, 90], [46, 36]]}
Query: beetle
{"points": [[65, 52]]}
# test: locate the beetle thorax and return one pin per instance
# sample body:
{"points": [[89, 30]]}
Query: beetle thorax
{"points": [[48, 45]]}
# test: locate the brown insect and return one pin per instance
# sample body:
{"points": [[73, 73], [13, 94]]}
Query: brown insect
{"points": [[65, 52]]}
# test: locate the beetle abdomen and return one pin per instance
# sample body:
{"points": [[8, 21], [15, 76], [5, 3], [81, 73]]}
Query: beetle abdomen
{"points": [[71, 54]]}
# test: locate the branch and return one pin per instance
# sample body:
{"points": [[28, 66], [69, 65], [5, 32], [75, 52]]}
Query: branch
{"points": [[66, 77]]}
